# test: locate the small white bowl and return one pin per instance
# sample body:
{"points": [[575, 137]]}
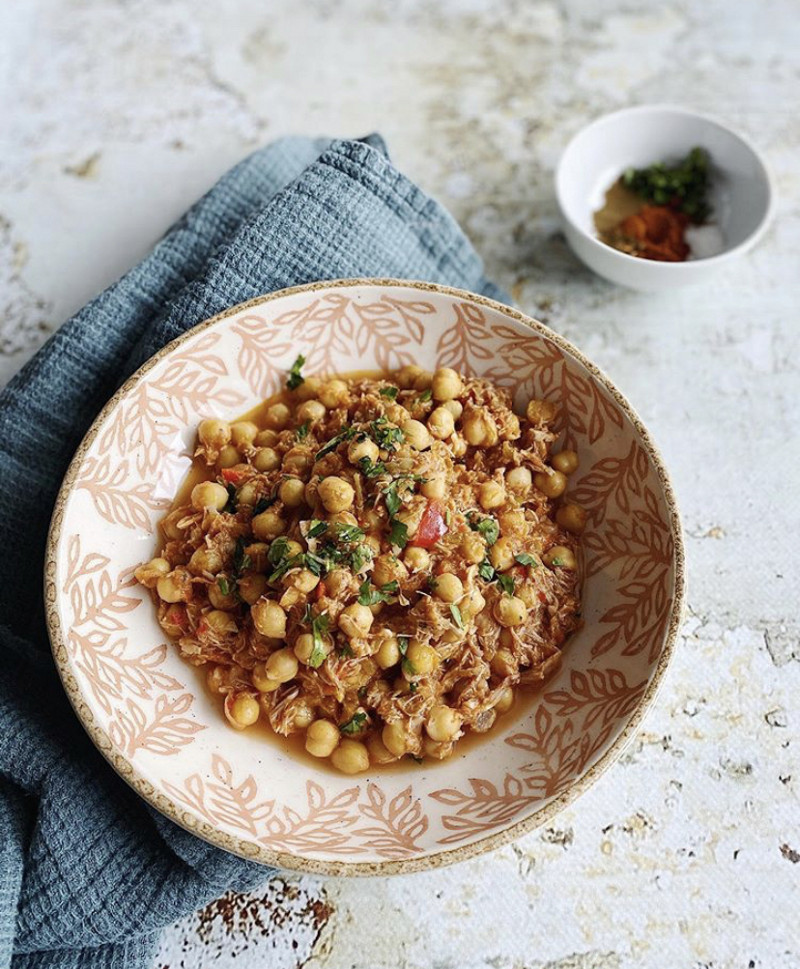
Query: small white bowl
{"points": [[742, 195]]}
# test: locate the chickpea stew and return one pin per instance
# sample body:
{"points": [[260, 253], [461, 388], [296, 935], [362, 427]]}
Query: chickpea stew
{"points": [[377, 564]]}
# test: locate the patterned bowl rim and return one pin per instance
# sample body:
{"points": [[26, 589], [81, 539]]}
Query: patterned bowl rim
{"points": [[295, 862]]}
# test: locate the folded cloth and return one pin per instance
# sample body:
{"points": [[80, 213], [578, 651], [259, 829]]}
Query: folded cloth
{"points": [[88, 873]]}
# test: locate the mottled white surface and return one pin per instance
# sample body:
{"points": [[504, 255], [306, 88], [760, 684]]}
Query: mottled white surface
{"points": [[116, 115]]}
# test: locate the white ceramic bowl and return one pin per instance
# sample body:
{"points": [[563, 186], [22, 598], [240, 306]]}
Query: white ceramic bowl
{"points": [[741, 195], [148, 711]]}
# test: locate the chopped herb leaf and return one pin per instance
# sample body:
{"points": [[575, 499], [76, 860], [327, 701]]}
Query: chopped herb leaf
{"points": [[241, 560], [278, 550], [408, 667], [354, 724], [319, 627], [233, 501], [425, 396], [490, 530], [389, 392], [361, 556], [346, 651], [486, 570], [317, 528], [412, 688], [371, 469], [224, 585], [348, 534], [525, 559], [295, 377], [456, 614], [262, 504], [506, 583], [302, 431], [346, 434], [398, 535], [314, 563], [386, 435], [368, 596], [402, 644]]}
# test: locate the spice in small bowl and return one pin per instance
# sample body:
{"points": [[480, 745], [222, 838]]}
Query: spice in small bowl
{"points": [[661, 212]]}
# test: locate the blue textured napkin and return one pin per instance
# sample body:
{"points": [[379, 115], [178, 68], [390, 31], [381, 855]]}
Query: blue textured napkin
{"points": [[88, 873]]}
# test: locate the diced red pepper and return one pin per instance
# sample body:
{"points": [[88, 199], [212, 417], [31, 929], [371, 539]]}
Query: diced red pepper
{"points": [[432, 526], [176, 616], [542, 597], [321, 590], [232, 475]]}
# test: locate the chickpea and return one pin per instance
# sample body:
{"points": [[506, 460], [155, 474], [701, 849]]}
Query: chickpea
{"points": [[512, 522], [169, 524], [475, 604], [278, 417], [473, 547], [303, 580], [213, 433], [350, 757], [209, 495], [455, 407], [258, 552], [552, 485], [220, 622], [541, 411], [268, 525], [444, 724], [565, 461], [394, 739], [220, 600], [337, 581], [228, 457], [406, 376], [505, 701], [309, 388], [311, 410], [416, 434], [434, 487], [475, 428], [422, 659], [560, 556], [441, 423], [355, 620], [149, 573], [261, 681], [416, 559], [175, 587], [491, 494], [304, 646], [292, 492], [242, 710], [519, 480], [266, 459], [371, 520], [438, 751], [572, 517], [388, 654], [248, 493], [458, 446], [252, 586], [334, 393], [342, 518], [379, 753], [503, 663], [243, 433], [446, 384], [282, 666], [269, 618], [357, 450], [303, 715], [266, 438], [529, 594], [510, 611], [335, 493], [216, 678], [322, 738], [387, 568], [423, 380], [449, 587], [501, 554], [205, 560]]}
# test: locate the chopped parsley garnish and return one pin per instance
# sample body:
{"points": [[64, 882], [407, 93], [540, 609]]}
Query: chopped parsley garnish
{"points": [[346, 434], [402, 644], [385, 435], [486, 570], [348, 533], [302, 431], [398, 534], [424, 396], [346, 651], [455, 612], [241, 560], [319, 627], [233, 500], [262, 504], [371, 469], [412, 688], [295, 377], [361, 556], [488, 527], [525, 559], [354, 724], [317, 528], [391, 493], [368, 596], [224, 585], [389, 392], [506, 583], [408, 667]]}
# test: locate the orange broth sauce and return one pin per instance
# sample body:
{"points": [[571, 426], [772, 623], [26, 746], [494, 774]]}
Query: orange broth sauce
{"points": [[293, 746]]}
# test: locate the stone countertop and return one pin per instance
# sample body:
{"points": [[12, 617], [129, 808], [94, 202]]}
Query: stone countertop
{"points": [[117, 115]]}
